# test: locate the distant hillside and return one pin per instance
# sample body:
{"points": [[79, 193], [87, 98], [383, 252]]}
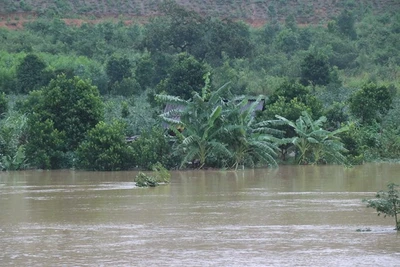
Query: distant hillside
{"points": [[256, 12]]}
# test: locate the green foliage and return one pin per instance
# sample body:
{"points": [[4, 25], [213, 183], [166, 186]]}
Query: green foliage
{"points": [[287, 41], [17, 162], [315, 144], [185, 77], [13, 133], [127, 87], [290, 90], [125, 110], [180, 29], [31, 74], [175, 50], [73, 105], [162, 175], [45, 148], [249, 142], [145, 71], [314, 70], [213, 131], [201, 120], [144, 180], [3, 104], [105, 149], [345, 23], [117, 69], [371, 102], [289, 101], [226, 37], [387, 203], [153, 147]]}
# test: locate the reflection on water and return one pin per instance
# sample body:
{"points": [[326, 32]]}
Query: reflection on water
{"points": [[290, 216]]}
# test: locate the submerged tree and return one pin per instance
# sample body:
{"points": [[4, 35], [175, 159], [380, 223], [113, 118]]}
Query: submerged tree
{"points": [[387, 203]]}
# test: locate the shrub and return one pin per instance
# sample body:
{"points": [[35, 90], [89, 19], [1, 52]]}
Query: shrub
{"points": [[30, 73], [152, 147], [105, 148], [144, 180], [13, 131], [387, 203]]}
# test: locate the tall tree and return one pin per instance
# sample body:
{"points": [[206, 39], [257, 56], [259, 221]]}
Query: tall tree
{"points": [[118, 68], [185, 77], [371, 102], [73, 105], [30, 73], [315, 70]]}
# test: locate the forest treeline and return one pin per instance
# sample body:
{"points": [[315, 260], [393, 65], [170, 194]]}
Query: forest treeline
{"points": [[70, 96]]}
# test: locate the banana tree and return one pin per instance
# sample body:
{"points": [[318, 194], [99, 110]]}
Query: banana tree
{"points": [[250, 142], [201, 119], [315, 144]]}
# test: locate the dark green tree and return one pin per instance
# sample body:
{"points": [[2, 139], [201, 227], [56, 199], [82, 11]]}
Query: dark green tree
{"points": [[45, 148], [185, 77], [226, 37], [290, 90], [31, 73], [371, 102], [118, 68], [315, 70], [345, 24], [287, 41], [73, 105], [179, 30], [145, 71]]}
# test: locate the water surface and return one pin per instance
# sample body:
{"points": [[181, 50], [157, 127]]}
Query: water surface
{"points": [[290, 216]]}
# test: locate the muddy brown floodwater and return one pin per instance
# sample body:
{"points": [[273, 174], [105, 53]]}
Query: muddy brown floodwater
{"points": [[290, 216]]}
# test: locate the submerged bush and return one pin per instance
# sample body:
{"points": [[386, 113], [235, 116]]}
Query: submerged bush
{"points": [[144, 180], [161, 175]]}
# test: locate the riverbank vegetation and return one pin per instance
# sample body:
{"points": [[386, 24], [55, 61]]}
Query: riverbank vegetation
{"points": [[94, 96]]}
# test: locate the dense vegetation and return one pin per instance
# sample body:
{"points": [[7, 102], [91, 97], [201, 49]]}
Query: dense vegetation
{"points": [[70, 96]]}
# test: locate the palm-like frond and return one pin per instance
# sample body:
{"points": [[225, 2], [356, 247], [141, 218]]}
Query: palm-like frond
{"points": [[312, 139], [170, 99], [216, 95]]}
